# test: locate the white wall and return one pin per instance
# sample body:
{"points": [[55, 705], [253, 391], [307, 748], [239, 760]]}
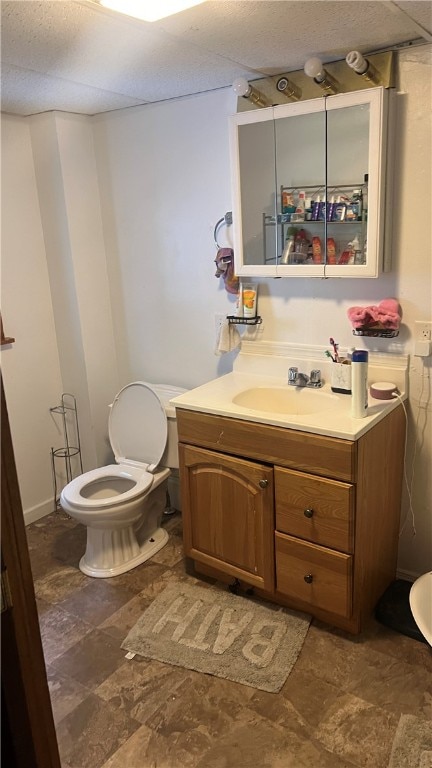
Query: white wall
{"points": [[69, 198], [163, 178], [30, 367]]}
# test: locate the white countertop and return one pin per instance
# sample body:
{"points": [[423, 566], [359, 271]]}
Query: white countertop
{"points": [[334, 420]]}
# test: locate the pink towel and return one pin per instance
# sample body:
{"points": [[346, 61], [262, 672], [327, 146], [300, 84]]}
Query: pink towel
{"points": [[387, 314], [225, 268]]}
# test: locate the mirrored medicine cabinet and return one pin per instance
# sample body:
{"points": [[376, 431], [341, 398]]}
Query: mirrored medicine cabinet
{"points": [[308, 183]]}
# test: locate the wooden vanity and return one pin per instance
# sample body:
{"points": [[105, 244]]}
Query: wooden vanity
{"points": [[310, 522]]}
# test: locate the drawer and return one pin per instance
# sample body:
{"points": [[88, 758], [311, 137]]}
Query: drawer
{"points": [[316, 509], [318, 576], [304, 451]]}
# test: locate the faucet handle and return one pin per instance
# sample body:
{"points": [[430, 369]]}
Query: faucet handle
{"points": [[292, 374], [315, 378]]}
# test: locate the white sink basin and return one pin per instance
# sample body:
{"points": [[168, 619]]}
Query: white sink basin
{"points": [[296, 401]]}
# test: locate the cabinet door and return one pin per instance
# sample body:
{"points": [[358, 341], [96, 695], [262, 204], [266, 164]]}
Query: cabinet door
{"points": [[252, 145], [228, 518], [328, 151]]}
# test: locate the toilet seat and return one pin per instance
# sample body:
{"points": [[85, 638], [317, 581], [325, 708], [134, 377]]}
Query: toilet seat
{"points": [[137, 426], [73, 492], [138, 431]]}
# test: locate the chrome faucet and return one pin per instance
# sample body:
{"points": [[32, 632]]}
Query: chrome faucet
{"points": [[296, 379]]}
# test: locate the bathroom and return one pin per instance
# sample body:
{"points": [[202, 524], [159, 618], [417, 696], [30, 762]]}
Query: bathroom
{"points": [[108, 273]]}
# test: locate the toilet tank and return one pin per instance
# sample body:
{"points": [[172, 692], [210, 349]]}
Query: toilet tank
{"points": [[166, 392]]}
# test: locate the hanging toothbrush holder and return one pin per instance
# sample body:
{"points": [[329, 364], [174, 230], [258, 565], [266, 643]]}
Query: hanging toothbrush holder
{"points": [[341, 377]]}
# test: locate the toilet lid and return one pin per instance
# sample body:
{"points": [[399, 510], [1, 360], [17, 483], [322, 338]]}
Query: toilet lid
{"points": [[138, 425]]}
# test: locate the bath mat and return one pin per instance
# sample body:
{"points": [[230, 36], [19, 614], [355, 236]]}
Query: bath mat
{"points": [[412, 745], [221, 634]]}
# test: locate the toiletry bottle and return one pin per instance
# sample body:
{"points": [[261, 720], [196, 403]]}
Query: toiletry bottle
{"points": [[357, 201], [300, 247], [359, 384], [249, 300], [356, 250], [289, 246], [365, 196], [330, 209], [300, 208], [315, 208]]}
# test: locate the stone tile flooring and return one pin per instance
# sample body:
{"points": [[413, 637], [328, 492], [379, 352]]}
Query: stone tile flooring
{"points": [[339, 707]]}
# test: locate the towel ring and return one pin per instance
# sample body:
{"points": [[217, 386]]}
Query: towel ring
{"points": [[227, 219]]}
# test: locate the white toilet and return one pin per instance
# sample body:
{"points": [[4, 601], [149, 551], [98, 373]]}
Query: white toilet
{"points": [[122, 504]]}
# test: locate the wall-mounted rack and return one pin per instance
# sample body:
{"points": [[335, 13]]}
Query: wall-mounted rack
{"points": [[232, 319], [385, 333]]}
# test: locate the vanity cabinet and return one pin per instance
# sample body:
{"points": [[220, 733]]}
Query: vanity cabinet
{"points": [[327, 158], [310, 522]]}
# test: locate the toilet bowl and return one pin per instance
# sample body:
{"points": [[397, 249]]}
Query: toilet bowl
{"points": [[420, 598], [122, 504]]}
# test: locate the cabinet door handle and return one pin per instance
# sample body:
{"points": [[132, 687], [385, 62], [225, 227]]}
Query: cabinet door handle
{"points": [[308, 578], [263, 483], [308, 512]]}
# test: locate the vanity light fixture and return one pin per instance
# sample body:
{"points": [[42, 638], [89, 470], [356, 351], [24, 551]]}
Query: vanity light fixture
{"points": [[149, 10], [241, 87], [363, 67], [288, 88], [315, 68]]}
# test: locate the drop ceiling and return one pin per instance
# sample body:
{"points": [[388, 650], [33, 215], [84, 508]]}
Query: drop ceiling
{"points": [[75, 56]]}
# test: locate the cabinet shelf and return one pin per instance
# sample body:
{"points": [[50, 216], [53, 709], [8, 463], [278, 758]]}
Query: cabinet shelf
{"points": [[270, 221]]}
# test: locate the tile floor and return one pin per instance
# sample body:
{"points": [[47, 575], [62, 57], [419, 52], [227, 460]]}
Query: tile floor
{"points": [[339, 708]]}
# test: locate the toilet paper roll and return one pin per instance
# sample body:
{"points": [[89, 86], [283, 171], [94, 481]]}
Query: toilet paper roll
{"points": [[383, 390]]}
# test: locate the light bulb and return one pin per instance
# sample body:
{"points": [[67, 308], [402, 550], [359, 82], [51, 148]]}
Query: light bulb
{"points": [[241, 86], [314, 68], [357, 62], [363, 67]]}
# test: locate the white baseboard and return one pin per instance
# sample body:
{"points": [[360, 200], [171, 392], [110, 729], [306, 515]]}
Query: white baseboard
{"points": [[407, 575], [40, 510]]}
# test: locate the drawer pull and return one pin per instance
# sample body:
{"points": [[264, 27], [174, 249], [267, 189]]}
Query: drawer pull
{"points": [[308, 578], [263, 483], [308, 512]]}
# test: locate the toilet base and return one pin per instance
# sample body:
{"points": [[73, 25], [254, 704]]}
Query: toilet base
{"points": [[112, 552]]}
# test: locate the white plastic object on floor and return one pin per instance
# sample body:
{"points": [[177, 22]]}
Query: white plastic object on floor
{"points": [[420, 599]]}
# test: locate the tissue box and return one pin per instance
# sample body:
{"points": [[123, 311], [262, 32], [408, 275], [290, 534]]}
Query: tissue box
{"points": [[341, 377]]}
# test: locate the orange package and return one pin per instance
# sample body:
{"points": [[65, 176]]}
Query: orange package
{"points": [[331, 251], [316, 250]]}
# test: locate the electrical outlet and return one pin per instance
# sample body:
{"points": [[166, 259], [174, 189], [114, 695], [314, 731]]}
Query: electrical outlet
{"points": [[423, 330]]}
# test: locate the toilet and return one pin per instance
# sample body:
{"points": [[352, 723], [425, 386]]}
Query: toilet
{"points": [[122, 504]]}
